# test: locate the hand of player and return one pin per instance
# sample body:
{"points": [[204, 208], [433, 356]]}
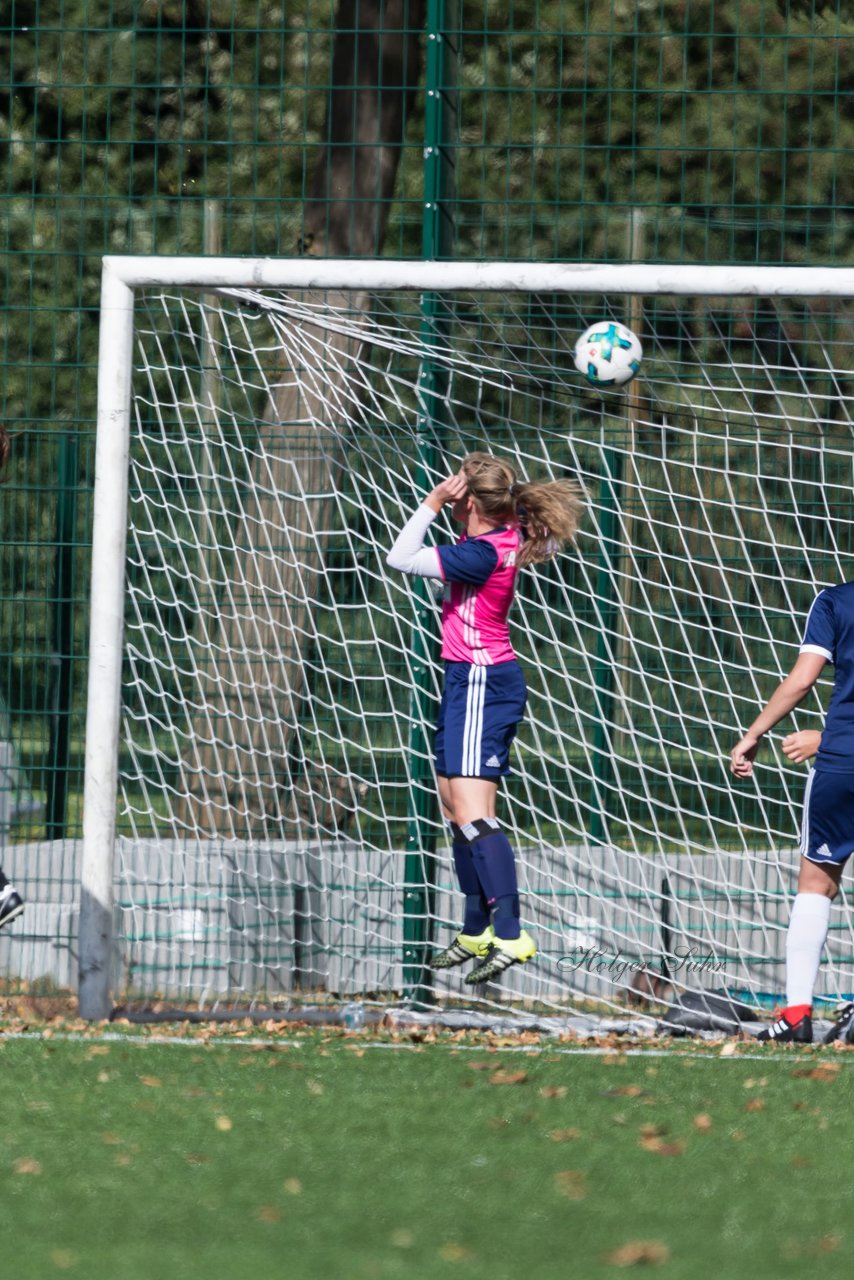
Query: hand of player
{"points": [[448, 491], [802, 745], [741, 760]]}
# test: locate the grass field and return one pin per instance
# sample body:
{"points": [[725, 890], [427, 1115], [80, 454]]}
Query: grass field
{"points": [[348, 1156]]}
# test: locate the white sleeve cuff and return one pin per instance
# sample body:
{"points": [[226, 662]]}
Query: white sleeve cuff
{"points": [[816, 648]]}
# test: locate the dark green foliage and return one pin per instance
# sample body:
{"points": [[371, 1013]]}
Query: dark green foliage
{"points": [[727, 124]]}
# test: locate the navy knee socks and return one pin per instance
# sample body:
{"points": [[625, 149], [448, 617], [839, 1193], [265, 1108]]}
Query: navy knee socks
{"points": [[477, 910], [494, 866]]}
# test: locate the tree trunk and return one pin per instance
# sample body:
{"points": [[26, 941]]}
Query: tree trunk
{"points": [[247, 777]]}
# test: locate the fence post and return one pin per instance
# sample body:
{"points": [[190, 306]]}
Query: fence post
{"points": [[437, 241], [63, 637]]}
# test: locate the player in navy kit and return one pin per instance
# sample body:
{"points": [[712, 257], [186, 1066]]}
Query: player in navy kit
{"points": [[827, 832], [507, 526]]}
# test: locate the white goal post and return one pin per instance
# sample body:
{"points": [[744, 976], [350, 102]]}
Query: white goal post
{"points": [[263, 427]]}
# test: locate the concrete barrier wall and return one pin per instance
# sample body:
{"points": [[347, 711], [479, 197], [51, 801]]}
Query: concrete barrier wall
{"points": [[220, 921]]}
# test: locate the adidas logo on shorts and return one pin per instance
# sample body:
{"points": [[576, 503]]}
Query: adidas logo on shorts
{"points": [[493, 763]]}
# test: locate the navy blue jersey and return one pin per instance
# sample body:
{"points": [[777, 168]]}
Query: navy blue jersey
{"points": [[830, 631], [474, 560]]}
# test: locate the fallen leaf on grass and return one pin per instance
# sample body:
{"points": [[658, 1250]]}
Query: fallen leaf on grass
{"points": [[27, 1165], [624, 1091], [703, 1122], [755, 1104], [150, 1082], [293, 1186], [453, 1252], [508, 1077], [661, 1148], [812, 1248], [639, 1253], [63, 1259], [481, 1066], [268, 1213], [564, 1135], [729, 1049], [826, 1071], [553, 1091], [653, 1130], [223, 1123], [571, 1183]]}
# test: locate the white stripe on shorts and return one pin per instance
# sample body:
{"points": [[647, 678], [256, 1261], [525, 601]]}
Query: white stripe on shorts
{"points": [[805, 821], [473, 727]]}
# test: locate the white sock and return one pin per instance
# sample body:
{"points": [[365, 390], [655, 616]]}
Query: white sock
{"points": [[808, 926]]}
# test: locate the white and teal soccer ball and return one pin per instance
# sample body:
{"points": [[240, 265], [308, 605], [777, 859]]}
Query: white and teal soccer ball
{"points": [[608, 354]]}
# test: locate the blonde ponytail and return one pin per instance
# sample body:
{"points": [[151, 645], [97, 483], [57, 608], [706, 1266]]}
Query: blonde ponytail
{"points": [[549, 511]]}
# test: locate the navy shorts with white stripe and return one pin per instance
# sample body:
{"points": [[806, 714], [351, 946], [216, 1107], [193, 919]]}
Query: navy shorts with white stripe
{"points": [[481, 709], [827, 829]]}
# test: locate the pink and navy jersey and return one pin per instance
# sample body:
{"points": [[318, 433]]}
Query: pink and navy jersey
{"points": [[480, 580]]}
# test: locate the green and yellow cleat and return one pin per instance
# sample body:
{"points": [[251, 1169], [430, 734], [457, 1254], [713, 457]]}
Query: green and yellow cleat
{"points": [[503, 953], [466, 946]]}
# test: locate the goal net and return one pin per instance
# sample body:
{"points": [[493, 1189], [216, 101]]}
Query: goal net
{"points": [[261, 817]]}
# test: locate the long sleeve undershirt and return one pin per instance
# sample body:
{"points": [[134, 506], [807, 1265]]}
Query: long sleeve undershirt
{"points": [[409, 554]]}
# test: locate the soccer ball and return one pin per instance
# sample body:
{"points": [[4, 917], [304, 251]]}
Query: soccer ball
{"points": [[608, 354]]}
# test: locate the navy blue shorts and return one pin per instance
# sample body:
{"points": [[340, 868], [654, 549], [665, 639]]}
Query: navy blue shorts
{"points": [[827, 830], [481, 709]]}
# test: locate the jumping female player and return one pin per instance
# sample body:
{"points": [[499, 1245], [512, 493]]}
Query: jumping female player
{"points": [[507, 525]]}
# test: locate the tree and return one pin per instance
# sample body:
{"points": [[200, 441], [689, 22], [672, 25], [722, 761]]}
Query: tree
{"points": [[248, 766]]}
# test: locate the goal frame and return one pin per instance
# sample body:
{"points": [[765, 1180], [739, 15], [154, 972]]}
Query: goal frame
{"points": [[121, 277]]}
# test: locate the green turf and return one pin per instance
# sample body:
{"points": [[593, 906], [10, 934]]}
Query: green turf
{"points": [[330, 1159]]}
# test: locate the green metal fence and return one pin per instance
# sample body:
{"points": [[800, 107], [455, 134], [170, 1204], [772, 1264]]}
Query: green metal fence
{"points": [[706, 131]]}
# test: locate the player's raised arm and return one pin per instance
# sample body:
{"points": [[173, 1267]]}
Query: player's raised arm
{"points": [[409, 555]]}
